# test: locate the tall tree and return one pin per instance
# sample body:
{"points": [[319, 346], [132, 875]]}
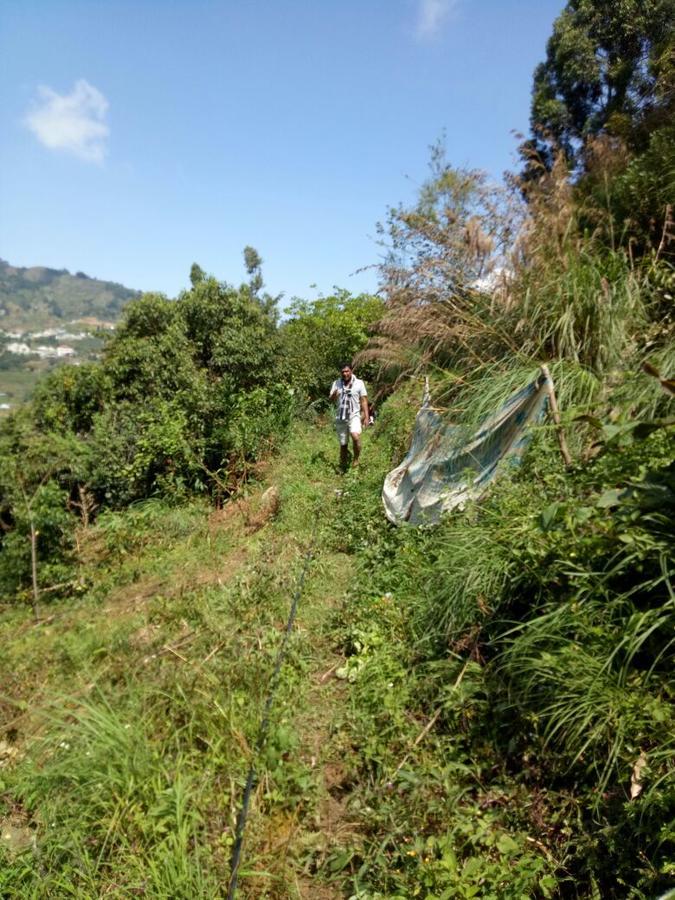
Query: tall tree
{"points": [[608, 69], [253, 262], [319, 336], [267, 302], [197, 274]]}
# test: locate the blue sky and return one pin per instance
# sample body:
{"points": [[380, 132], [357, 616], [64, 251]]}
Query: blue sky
{"points": [[138, 137]]}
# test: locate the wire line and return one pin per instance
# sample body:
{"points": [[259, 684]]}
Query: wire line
{"points": [[251, 779]]}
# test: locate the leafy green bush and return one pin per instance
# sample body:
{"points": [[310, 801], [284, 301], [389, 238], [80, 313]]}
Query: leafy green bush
{"points": [[188, 394], [320, 336], [538, 624], [138, 451], [54, 527]]}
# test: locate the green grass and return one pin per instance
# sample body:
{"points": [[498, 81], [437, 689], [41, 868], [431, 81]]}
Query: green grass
{"points": [[458, 715], [135, 708]]}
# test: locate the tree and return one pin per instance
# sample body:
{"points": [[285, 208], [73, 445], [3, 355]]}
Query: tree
{"points": [[319, 336], [267, 302], [150, 354], [68, 398], [253, 262], [197, 274], [37, 471], [230, 332], [440, 254], [608, 69]]}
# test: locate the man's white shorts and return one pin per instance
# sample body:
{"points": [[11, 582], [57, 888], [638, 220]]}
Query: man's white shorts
{"points": [[344, 428]]}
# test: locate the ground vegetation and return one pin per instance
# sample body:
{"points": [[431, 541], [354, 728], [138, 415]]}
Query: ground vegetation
{"points": [[482, 708]]}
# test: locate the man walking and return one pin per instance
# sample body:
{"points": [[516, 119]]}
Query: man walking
{"points": [[351, 413]]}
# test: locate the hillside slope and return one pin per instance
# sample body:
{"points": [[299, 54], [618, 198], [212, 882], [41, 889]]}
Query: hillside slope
{"points": [[48, 317], [38, 297], [166, 661], [394, 765]]}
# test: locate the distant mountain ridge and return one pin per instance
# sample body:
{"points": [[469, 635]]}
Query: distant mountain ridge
{"points": [[37, 297]]}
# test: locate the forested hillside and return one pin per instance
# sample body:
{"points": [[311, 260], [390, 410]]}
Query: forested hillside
{"points": [[38, 297], [478, 708], [49, 317]]}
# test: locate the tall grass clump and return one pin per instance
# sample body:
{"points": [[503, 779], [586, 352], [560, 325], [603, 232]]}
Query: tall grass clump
{"points": [[556, 589], [477, 278], [534, 631], [114, 812], [590, 306]]}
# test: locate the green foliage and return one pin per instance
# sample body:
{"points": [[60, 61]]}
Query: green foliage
{"points": [[640, 195], [68, 399], [603, 71], [197, 274], [133, 784], [229, 332], [533, 630], [503, 709], [36, 474], [590, 306], [320, 336], [148, 317], [141, 450], [253, 262], [47, 510], [256, 419], [503, 675], [186, 397], [9, 360], [539, 626], [602, 106], [94, 756]]}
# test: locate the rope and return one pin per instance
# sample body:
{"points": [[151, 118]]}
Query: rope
{"points": [[251, 778]]}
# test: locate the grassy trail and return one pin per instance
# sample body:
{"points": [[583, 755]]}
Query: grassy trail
{"points": [[132, 712], [300, 816]]}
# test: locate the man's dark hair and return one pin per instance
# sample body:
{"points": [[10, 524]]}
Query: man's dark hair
{"points": [[346, 365]]}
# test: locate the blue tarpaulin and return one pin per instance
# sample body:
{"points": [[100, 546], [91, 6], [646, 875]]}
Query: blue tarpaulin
{"points": [[442, 471]]}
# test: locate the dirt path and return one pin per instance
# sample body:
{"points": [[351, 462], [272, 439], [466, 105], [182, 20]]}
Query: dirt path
{"points": [[295, 842]]}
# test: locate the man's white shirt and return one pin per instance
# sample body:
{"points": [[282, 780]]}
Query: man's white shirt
{"points": [[348, 398]]}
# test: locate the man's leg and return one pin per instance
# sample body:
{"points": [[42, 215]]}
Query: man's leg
{"points": [[343, 437], [355, 432], [356, 442], [344, 456]]}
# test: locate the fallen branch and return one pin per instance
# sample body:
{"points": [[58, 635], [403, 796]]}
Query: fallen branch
{"points": [[213, 652], [420, 737]]}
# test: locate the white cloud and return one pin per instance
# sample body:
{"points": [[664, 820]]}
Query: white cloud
{"points": [[74, 122], [431, 14]]}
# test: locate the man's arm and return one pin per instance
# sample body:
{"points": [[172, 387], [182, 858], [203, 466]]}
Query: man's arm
{"points": [[333, 392], [364, 410]]}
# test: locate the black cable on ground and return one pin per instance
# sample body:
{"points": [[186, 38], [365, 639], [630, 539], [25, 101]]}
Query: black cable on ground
{"points": [[251, 778]]}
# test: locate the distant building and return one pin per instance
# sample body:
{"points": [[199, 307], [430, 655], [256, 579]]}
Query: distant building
{"points": [[19, 348], [47, 333], [59, 352], [69, 336], [93, 322], [58, 334]]}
